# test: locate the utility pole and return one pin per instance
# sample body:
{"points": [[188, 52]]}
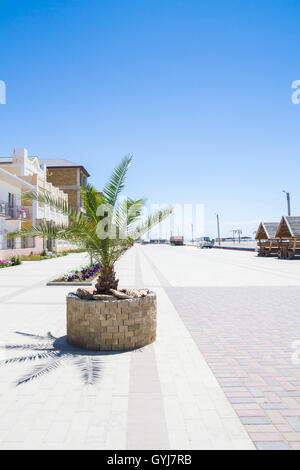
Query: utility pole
{"points": [[192, 233], [288, 199], [218, 226]]}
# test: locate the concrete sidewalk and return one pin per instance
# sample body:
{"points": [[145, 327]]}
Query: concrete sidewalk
{"points": [[54, 396]]}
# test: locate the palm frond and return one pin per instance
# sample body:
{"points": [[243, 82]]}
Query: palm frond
{"points": [[116, 183], [134, 209], [91, 200], [126, 212], [149, 223], [57, 204], [59, 232]]}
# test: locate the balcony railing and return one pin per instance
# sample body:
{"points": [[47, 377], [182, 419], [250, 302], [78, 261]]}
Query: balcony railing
{"points": [[6, 211]]}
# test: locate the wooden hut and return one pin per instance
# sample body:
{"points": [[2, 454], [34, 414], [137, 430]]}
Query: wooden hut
{"points": [[177, 240], [266, 239], [288, 234]]}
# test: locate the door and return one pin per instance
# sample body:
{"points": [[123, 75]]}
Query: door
{"points": [[11, 204]]}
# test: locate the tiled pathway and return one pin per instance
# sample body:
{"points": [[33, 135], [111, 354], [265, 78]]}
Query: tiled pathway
{"points": [[250, 337]]}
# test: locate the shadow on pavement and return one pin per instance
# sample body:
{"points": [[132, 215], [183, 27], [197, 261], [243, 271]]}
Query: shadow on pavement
{"points": [[48, 353]]}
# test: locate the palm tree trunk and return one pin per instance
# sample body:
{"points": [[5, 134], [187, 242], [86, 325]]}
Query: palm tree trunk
{"points": [[107, 280]]}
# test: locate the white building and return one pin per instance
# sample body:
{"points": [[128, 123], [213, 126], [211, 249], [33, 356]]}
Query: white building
{"points": [[18, 174], [12, 214]]}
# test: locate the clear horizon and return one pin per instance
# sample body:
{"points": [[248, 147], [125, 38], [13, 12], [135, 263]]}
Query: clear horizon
{"points": [[200, 93]]}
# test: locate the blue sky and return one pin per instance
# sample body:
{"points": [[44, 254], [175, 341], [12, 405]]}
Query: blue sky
{"points": [[198, 91]]}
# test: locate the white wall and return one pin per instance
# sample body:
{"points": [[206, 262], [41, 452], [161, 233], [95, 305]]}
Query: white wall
{"points": [[6, 188]]}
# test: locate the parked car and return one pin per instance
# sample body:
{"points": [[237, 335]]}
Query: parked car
{"points": [[205, 242]]}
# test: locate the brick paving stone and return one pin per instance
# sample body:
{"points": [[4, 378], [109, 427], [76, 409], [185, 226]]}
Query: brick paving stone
{"points": [[290, 412], [272, 446], [294, 422], [241, 400], [295, 445], [274, 406], [254, 420], [265, 437], [260, 428], [292, 436], [284, 428], [255, 392], [250, 413], [229, 383]]}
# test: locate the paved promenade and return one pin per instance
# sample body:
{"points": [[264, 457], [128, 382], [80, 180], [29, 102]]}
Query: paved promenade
{"points": [[219, 376], [243, 313]]}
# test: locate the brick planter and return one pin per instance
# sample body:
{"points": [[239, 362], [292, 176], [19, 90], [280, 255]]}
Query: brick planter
{"points": [[111, 325]]}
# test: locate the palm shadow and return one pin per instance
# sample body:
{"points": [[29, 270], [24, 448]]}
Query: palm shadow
{"points": [[48, 353]]}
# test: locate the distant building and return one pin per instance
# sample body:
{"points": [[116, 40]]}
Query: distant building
{"points": [[13, 215], [68, 176]]}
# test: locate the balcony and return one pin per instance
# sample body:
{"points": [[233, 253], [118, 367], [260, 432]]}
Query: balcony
{"points": [[17, 213]]}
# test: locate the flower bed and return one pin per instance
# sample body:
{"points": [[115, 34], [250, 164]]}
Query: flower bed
{"points": [[6, 263], [43, 255], [87, 273]]}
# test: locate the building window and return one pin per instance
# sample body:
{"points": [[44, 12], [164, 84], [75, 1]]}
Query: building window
{"points": [[82, 179], [11, 243], [28, 242]]}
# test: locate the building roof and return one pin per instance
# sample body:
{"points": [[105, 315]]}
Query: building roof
{"points": [[289, 227], [61, 163], [271, 228], [266, 230]]}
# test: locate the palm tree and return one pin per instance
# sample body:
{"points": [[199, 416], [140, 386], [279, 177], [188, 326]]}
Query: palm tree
{"points": [[106, 228]]}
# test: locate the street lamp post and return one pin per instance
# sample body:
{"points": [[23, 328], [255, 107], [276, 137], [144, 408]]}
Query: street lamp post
{"points": [[288, 199], [239, 232], [218, 226]]}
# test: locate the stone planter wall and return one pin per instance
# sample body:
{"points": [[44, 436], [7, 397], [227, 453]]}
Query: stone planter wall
{"points": [[111, 325]]}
